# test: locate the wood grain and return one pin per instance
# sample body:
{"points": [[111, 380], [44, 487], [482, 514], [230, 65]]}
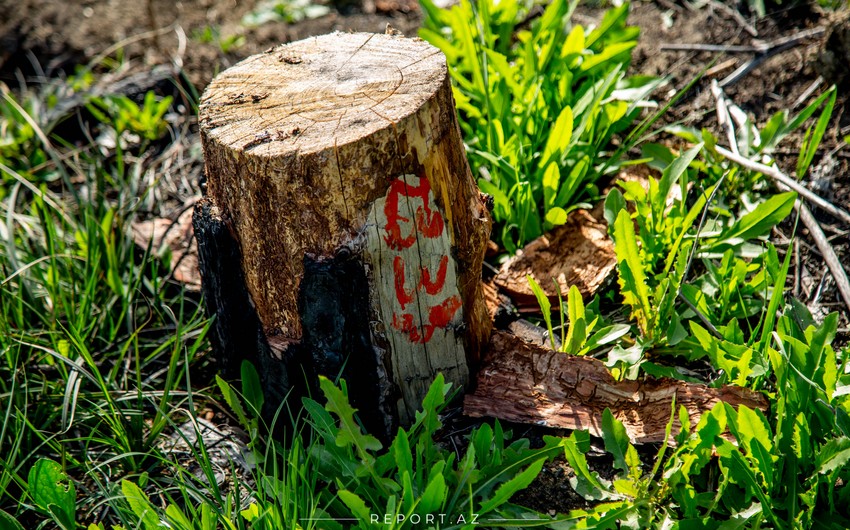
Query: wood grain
{"points": [[578, 253]]}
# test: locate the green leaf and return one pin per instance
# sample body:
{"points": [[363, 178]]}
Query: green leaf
{"points": [[578, 462], [608, 53], [507, 490], [349, 433], [577, 333], [632, 280], [140, 505], [614, 202], [320, 419], [559, 137], [551, 181], [233, 401], [807, 112], [606, 335], [743, 474], [618, 444], [434, 495], [178, 520], [775, 299], [626, 487], [760, 221], [801, 439], [757, 438], [252, 389], [50, 486], [7, 522], [556, 216], [833, 455], [670, 176], [250, 513], [355, 504], [576, 178], [545, 306], [401, 451], [432, 404]]}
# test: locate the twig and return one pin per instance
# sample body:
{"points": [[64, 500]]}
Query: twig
{"points": [[736, 15], [725, 65], [762, 50], [698, 47], [826, 250], [806, 93], [816, 298], [829, 255], [785, 180], [704, 319], [691, 255], [773, 47], [723, 117]]}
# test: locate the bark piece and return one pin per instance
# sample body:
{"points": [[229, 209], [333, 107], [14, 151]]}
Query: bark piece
{"points": [[577, 253], [523, 383], [337, 164], [178, 237]]}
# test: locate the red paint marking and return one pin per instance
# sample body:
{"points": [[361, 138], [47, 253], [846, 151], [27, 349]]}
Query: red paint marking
{"points": [[429, 224], [401, 293], [436, 286], [432, 287], [439, 316]]}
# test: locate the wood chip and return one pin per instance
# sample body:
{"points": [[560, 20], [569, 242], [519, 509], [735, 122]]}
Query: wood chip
{"points": [[177, 236], [577, 253]]}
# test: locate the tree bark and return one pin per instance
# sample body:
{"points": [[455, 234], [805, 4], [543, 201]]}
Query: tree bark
{"points": [[524, 383], [336, 165]]}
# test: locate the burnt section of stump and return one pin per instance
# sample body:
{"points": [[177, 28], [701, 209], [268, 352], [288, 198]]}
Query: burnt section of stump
{"points": [[333, 305]]}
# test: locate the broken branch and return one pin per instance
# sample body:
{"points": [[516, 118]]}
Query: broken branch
{"points": [[781, 178]]}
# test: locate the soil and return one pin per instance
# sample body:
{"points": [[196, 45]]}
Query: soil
{"points": [[46, 38], [60, 34]]}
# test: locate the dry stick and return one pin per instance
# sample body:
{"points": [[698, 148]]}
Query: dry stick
{"points": [[725, 65], [808, 92], [698, 47], [734, 13], [784, 179], [723, 117], [826, 250], [763, 50], [725, 123], [773, 47]]}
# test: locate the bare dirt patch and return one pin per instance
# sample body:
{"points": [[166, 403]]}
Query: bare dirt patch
{"points": [[60, 34]]}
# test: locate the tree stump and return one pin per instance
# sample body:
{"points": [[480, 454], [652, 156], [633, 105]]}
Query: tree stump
{"points": [[342, 231]]}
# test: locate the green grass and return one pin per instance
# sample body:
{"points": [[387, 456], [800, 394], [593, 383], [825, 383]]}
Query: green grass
{"points": [[95, 342], [103, 359]]}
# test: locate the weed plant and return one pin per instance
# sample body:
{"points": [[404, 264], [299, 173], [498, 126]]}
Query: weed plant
{"points": [[540, 101]]}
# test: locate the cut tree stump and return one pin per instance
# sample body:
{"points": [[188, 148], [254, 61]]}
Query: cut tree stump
{"points": [[524, 383], [342, 232]]}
